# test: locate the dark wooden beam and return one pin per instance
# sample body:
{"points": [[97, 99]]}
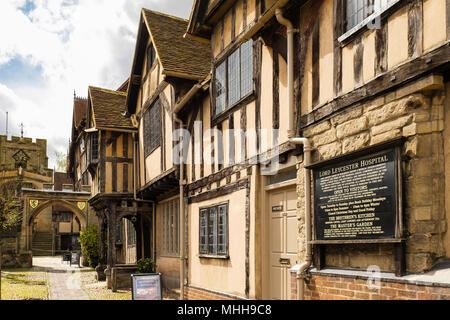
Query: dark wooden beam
{"points": [[381, 49], [415, 28], [316, 64], [338, 30], [358, 46], [276, 91], [434, 61]]}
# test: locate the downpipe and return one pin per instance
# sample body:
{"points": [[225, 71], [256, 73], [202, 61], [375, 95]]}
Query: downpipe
{"points": [[182, 209], [290, 30]]}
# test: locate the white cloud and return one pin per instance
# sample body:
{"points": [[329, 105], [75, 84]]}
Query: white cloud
{"points": [[76, 43]]}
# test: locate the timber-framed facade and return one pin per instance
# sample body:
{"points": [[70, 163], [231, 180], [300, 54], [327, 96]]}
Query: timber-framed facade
{"points": [[216, 109]]}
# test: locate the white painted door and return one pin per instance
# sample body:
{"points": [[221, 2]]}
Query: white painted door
{"points": [[283, 241]]}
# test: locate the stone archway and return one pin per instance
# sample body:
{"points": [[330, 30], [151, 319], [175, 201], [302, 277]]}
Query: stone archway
{"points": [[46, 204], [36, 201]]}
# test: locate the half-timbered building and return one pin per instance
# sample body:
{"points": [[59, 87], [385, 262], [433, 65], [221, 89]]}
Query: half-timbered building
{"points": [[165, 67]]}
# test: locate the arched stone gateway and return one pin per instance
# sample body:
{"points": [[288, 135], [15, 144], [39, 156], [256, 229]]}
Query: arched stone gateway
{"points": [[36, 201]]}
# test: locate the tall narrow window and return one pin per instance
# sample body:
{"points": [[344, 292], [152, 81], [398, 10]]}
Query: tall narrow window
{"points": [[94, 146], [131, 234], [152, 128], [170, 217], [221, 87], [233, 78], [203, 231], [151, 56], [213, 236], [246, 68]]}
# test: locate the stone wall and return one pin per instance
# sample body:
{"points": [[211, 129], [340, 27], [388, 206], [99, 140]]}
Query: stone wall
{"points": [[419, 117]]}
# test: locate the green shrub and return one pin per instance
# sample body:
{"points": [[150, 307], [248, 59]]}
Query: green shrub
{"points": [[89, 244], [146, 266]]}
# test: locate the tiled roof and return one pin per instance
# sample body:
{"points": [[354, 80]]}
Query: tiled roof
{"points": [[79, 111], [107, 108], [177, 54], [60, 179]]}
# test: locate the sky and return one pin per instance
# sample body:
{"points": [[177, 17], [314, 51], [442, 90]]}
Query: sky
{"points": [[51, 48]]}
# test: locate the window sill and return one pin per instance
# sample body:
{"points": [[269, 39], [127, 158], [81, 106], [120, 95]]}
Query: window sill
{"points": [[348, 36], [231, 109], [209, 256]]}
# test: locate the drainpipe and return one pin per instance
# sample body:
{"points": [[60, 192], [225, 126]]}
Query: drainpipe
{"points": [[182, 222], [306, 147]]}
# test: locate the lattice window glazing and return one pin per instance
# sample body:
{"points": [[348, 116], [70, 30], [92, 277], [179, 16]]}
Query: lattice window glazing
{"points": [[152, 128]]}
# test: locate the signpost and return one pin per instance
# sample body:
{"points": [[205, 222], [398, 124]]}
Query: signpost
{"points": [[75, 258], [146, 286], [356, 199]]}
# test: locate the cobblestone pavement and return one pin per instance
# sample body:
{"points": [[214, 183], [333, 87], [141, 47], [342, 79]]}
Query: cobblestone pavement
{"points": [[64, 281]]}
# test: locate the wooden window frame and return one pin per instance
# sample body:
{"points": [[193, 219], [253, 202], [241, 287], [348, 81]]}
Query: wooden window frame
{"points": [[170, 211], [149, 145], [243, 98], [208, 253], [348, 35], [150, 50]]}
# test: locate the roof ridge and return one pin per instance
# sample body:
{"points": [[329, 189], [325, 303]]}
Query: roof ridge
{"points": [[107, 90], [165, 15]]}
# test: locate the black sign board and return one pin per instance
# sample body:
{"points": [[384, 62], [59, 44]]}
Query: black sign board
{"points": [[146, 286], [357, 199], [75, 258]]}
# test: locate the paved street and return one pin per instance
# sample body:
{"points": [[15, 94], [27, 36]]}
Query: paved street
{"points": [[63, 279]]}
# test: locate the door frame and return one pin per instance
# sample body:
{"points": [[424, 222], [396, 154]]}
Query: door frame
{"points": [[265, 223]]}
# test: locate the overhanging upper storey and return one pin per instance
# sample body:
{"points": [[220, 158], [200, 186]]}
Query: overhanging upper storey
{"points": [[161, 42]]}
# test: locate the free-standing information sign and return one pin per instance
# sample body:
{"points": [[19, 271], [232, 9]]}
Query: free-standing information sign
{"points": [[146, 286], [358, 198], [75, 258]]}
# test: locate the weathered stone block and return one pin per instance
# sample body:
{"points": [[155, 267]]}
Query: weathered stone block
{"points": [[424, 127], [422, 213], [351, 127], [346, 116], [437, 125], [355, 142], [410, 130], [316, 129], [324, 138], [386, 136], [422, 167], [418, 192], [391, 125], [437, 112], [422, 243], [418, 262], [374, 104], [421, 116], [410, 147], [394, 109], [330, 150]]}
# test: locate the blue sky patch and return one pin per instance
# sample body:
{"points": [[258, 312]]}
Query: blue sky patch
{"points": [[18, 73], [28, 7]]}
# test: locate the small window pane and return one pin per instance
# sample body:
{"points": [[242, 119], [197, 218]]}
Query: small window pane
{"points": [[221, 88], [222, 230], [212, 231], [203, 231], [233, 78], [246, 68]]}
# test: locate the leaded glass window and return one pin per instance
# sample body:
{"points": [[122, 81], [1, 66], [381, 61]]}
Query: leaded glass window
{"points": [[234, 77], [152, 128], [213, 237]]}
